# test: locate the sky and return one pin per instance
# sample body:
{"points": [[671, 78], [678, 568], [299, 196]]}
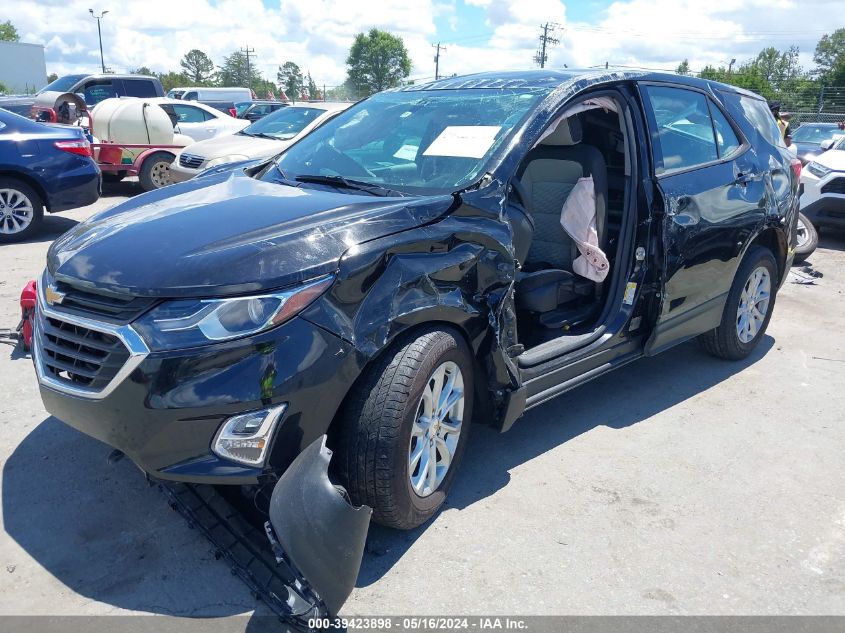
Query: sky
{"points": [[478, 35]]}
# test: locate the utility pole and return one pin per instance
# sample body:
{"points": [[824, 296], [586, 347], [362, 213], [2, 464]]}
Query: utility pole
{"points": [[437, 60], [100, 35], [248, 51], [545, 39]]}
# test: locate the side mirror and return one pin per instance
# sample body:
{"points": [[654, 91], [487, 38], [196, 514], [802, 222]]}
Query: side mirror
{"points": [[826, 145]]}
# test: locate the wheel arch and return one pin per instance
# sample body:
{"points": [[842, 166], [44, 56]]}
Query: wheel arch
{"points": [[31, 181], [773, 239]]}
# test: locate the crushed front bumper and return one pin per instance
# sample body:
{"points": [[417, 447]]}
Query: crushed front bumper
{"points": [[165, 410]]}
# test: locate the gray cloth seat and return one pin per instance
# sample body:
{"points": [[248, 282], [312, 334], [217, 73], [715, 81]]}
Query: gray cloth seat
{"points": [[549, 173]]}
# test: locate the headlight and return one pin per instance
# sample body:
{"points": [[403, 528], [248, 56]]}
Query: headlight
{"points": [[193, 322], [245, 438], [222, 160], [819, 171]]}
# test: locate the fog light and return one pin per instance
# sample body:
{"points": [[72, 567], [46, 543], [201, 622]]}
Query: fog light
{"points": [[245, 438]]}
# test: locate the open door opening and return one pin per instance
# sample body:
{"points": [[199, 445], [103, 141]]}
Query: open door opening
{"points": [[574, 188]]}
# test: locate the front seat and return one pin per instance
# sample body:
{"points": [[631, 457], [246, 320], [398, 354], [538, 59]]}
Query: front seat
{"points": [[546, 178]]}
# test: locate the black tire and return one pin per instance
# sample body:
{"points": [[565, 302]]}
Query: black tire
{"points": [[113, 176], [724, 341], [11, 190], [149, 176], [375, 438], [803, 251]]}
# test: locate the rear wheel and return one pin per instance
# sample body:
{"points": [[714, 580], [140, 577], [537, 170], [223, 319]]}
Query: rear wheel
{"points": [[21, 210], [807, 238], [155, 171], [748, 307], [406, 428]]}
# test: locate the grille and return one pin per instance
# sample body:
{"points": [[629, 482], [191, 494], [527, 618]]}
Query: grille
{"points": [[79, 356], [190, 161], [837, 185], [122, 309]]}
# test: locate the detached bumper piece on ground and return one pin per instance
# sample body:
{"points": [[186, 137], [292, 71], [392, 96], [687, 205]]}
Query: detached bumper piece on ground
{"points": [[317, 538]]}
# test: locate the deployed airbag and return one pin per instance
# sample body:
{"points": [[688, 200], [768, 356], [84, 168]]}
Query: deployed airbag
{"points": [[578, 219]]}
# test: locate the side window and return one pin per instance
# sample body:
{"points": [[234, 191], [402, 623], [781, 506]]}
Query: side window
{"points": [[761, 117], [726, 139], [97, 90], [139, 88], [189, 114], [682, 134], [190, 96]]}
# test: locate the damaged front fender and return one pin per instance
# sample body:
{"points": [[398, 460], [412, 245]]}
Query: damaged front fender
{"points": [[315, 528]]}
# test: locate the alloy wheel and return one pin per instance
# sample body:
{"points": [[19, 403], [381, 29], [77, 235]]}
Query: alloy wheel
{"points": [[16, 211], [801, 232], [437, 429], [753, 304]]}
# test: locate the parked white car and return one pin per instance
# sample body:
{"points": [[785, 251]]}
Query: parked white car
{"points": [[823, 180], [265, 138], [199, 121]]}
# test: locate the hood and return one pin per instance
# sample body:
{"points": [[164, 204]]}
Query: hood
{"points": [[227, 234], [832, 158], [249, 146]]}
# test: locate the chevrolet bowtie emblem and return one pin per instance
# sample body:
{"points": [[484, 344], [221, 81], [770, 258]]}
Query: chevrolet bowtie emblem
{"points": [[53, 296]]}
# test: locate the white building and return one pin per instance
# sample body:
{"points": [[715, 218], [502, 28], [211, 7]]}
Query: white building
{"points": [[22, 67]]}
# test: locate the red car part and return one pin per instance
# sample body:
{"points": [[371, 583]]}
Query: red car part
{"points": [[24, 329]]}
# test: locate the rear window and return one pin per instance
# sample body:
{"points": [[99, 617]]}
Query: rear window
{"points": [[139, 88]]}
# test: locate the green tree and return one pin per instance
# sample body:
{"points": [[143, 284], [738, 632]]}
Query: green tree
{"points": [[313, 90], [197, 67], [52, 77], [171, 80], [377, 60], [141, 70], [683, 68], [830, 58], [8, 32], [290, 79], [235, 71]]}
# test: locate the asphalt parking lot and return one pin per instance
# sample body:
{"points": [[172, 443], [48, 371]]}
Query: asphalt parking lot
{"points": [[680, 484]]}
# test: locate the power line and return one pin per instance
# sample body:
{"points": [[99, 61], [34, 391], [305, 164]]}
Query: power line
{"points": [[545, 39], [437, 60]]}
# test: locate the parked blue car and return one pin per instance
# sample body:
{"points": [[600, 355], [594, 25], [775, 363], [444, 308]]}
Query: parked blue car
{"points": [[43, 167]]}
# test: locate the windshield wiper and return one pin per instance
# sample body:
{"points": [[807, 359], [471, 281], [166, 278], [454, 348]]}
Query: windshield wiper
{"points": [[346, 183], [263, 135]]}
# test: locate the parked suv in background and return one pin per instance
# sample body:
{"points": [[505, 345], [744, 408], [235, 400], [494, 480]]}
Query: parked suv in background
{"points": [[95, 88], [823, 196], [42, 168], [404, 270]]}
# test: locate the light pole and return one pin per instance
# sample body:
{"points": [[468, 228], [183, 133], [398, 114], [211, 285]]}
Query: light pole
{"points": [[100, 35], [733, 61]]}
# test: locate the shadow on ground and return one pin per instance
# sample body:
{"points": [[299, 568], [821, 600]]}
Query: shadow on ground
{"points": [[620, 399], [107, 536], [102, 532]]}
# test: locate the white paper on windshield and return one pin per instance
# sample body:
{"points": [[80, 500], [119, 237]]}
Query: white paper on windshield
{"points": [[464, 141], [406, 152]]}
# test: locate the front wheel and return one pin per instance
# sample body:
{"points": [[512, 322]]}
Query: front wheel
{"points": [[748, 308], [807, 238], [406, 426]]}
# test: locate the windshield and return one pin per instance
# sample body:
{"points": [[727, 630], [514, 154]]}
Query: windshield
{"points": [[426, 141], [810, 133], [284, 124], [62, 84], [175, 94], [241, 106]]}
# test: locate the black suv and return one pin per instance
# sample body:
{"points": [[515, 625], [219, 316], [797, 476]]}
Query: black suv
{"points": [[458, 251]]}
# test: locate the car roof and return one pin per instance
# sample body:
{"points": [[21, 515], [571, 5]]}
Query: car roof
{"points": [[551, 78], [168, 101], [322, 105]]}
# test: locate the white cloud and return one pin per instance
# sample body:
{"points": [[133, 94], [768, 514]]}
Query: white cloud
{"points": [[316, 34]]}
